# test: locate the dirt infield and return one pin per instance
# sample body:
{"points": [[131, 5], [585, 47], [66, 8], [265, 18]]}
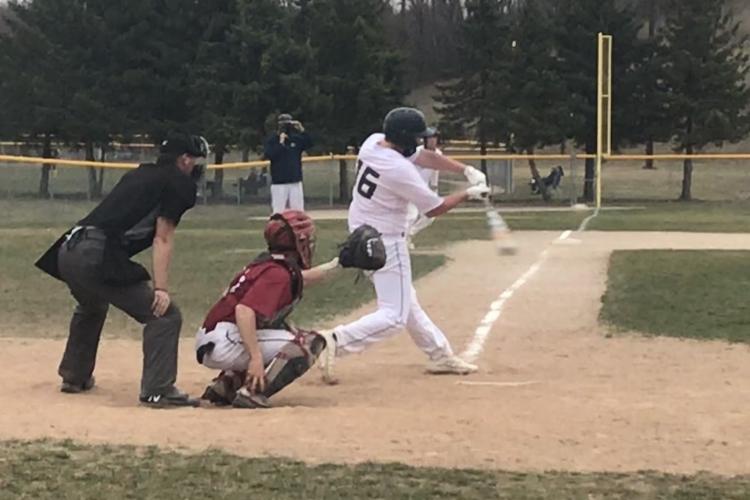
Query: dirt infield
{"points": [[578, 399]]}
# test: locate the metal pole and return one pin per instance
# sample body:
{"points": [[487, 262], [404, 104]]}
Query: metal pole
{"points": [[330, 183], [599, 118], [572, 182]]}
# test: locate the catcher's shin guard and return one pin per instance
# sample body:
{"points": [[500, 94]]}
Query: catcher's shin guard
{"points": [[294, 359]]}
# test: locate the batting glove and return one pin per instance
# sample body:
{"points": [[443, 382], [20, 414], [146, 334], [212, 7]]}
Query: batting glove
{"points": [[474, 176], [478, 192]]}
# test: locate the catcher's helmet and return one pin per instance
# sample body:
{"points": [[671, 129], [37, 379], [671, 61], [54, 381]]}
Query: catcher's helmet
{"points": [[403, 126], [291, 231]]}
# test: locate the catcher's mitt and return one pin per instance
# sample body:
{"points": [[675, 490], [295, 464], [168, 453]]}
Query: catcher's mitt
{"points": [[363, 249]]}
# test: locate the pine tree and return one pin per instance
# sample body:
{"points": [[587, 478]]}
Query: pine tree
{"points": [[215, 81], [705, 72], [359, 74], [475, 104], [51, 63], [537, 110], [650, 88], [578, 23]]}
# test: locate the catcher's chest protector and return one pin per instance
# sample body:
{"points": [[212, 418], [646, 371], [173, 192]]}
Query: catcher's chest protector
{"points": [[279, 319]]}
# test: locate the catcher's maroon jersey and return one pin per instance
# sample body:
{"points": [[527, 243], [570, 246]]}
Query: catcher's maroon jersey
{"points": [[264, 287]]}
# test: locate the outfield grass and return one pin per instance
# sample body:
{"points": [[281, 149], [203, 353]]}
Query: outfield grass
{"points": [[214, 242], [685, 293], [205, 261], [654, 216], [58, 470], [710, 217]]}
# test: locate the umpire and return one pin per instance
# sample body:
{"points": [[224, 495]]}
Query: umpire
{"points": [[93, 259]]}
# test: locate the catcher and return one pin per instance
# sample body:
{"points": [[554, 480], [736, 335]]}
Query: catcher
{"points": [[245, 334]]}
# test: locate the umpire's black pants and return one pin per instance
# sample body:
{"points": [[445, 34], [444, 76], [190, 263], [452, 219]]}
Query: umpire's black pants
{"points": [[80, 264]]}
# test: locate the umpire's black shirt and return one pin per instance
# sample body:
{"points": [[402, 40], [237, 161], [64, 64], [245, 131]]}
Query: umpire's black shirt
{"points": [[128, 214]]}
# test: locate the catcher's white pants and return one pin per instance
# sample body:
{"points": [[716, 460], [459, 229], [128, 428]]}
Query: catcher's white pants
{"points": [[398, 307], [229, 352], [285, 196]]}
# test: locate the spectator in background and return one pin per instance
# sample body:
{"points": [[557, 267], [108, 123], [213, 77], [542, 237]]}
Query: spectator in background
{"points": [[284, 150]]}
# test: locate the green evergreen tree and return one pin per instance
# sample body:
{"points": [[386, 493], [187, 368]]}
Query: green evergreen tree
{"points": [[578, 23], [475, 104], [53, 84], [537, 107], [359, 76], [214, 82], [706, 68], [650, 91]]}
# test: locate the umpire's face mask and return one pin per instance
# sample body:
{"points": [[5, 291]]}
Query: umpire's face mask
{"points": [[200, 151], [198, 170]]}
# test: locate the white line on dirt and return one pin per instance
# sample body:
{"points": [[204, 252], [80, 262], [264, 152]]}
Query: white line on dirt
{"points": [[497, 384], [476, 345]]}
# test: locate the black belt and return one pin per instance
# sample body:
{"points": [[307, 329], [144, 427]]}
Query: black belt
{"points": [[80, 233], [86, 233]]}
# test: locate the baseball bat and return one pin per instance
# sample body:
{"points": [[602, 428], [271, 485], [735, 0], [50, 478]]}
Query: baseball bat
{"points": [[499, 230]]}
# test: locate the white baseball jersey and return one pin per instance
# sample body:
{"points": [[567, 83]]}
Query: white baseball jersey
{"points": [[386, 183], [430, 176]]}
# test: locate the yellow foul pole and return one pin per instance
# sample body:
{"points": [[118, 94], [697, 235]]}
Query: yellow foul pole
{"points": [[603, 108]]}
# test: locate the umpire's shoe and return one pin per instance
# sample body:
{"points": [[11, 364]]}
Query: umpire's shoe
{"points": [[73, 388], [172, 398]]}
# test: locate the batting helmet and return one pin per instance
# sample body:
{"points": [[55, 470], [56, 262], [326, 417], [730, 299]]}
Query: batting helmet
{"points": [[403, 126], [291, 231]]}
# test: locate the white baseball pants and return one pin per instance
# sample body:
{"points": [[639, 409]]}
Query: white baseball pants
{"points": [[229, 352], [398, 307], [285, 196]]}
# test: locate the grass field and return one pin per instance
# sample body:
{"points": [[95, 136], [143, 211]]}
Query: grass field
{"points": [[51, 470], [691, 294], [216, 253], [221, 240], [699, 295]]}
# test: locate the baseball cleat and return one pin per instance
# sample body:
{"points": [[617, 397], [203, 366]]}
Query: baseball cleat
{"points": [[223, 389], [71, 388], [327, 358], [218, 394], [245, 399], [450, 365], [172, 398]]}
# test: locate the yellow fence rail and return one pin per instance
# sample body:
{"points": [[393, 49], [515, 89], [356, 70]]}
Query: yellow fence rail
{"points": [[29, 160]]}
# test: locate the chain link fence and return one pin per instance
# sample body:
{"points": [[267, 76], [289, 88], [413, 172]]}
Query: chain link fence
{"points": [[328, 182]]}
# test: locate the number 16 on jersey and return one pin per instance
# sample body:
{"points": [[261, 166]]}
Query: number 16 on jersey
{"points": [[367, 182]]}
